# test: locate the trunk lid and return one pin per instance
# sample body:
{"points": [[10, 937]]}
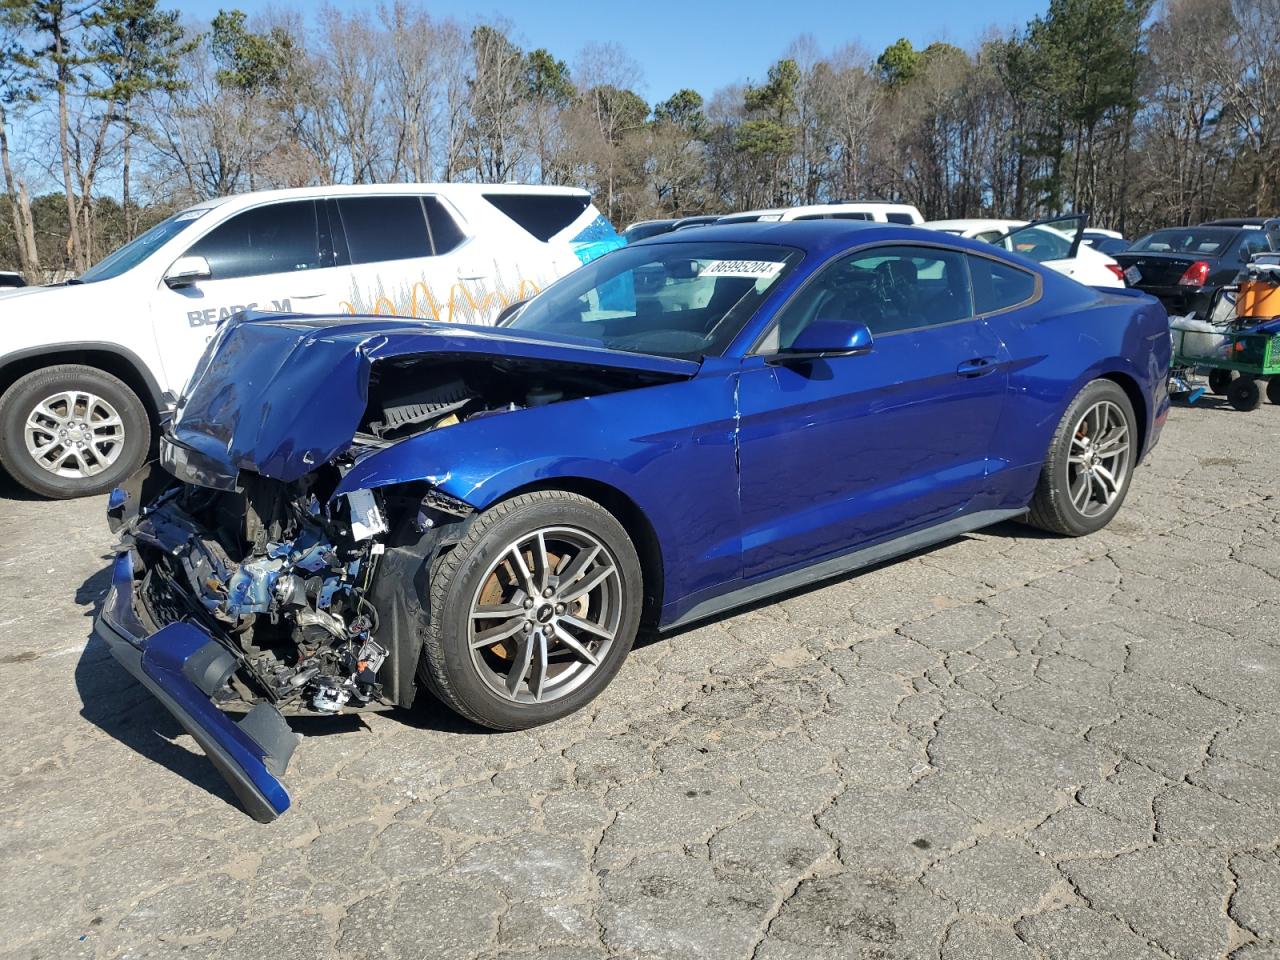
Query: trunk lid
{"points": [[1161, 269]]}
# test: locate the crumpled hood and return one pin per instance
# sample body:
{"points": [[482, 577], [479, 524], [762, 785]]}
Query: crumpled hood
{"points": [[281, 394]]}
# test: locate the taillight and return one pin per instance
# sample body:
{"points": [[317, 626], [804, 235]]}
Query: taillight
{"points": [[1117, 270], [1196, 275]]}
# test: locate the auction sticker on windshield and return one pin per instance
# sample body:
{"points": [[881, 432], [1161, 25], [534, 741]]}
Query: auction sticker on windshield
{"points": [[753, 269]]}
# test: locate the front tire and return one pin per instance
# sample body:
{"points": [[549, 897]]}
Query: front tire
{"points": [[1090, 464], [72, 431], [533, 612]]}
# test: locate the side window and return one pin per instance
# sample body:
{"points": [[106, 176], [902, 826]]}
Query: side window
{"points": [[903, 218], [999, 286], [445, 232], [384, 228], [1253, 243], [890, 289], [276, 238], [542, 214], [835, 216]]}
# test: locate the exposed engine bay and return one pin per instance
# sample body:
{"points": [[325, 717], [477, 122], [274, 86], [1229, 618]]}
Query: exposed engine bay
{"points": [[272, 573], [408, 396]]}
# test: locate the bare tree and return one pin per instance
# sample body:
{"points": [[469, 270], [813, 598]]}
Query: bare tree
{"points": [[848, 103], [16, 94], [496, 104], [1253, 79], [348, 93]]}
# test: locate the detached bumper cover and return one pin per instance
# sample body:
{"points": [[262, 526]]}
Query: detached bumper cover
{"points": [[183, 666]]}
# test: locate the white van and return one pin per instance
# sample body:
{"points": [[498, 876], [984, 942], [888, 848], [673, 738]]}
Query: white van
{"points": [[86, 367], [872, 210]]}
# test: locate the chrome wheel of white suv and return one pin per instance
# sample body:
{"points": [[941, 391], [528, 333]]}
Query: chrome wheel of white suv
{"points": [[74, 433], [72, 430]]}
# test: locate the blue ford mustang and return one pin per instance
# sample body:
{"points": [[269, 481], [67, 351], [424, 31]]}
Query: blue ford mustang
{"points": [[350, 510]]}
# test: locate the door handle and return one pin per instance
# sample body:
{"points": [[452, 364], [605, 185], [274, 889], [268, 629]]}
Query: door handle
{"points": [[307, 296], [977, 367]]}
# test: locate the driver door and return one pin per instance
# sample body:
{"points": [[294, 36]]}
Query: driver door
{"points": [[842, 452]]}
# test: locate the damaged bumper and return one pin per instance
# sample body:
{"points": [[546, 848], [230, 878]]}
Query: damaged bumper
{"points": [[184, 667]]}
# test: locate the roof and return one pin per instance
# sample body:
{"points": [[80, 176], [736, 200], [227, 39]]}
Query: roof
{"points": [[821, 237], [1239, 222], [448, 190], [977, 223]]}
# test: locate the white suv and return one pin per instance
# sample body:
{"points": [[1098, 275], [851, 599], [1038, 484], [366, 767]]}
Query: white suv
{"points": [[87, 367]]}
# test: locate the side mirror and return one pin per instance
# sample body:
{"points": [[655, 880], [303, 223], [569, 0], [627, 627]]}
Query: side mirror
{"points": [[829, 338], [187, 270]]}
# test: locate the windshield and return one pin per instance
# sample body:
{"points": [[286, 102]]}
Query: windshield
{"points": [[140, 247], [1189, 240], [673, 299]]}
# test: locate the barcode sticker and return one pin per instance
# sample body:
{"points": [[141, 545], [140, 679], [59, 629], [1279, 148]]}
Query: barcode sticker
{"points": [[752, 269]]}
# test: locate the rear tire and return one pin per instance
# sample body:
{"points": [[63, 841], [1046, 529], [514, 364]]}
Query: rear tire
{"points": [[72, 431], [1087, 472], [1273, 389], [1244, 394], [554, 641], [1220, 381]]}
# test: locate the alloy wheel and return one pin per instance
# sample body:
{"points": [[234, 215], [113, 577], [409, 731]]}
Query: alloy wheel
{"points": [[74, 433], [1098, 464], [546, 614]]}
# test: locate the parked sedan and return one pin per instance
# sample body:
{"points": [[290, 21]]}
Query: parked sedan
{"points": [[1185, 266], [1109, 242], [354, 510]]}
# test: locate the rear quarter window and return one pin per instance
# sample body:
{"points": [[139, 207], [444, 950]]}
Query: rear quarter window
{"points": [[543, 215], [445, 232], [998, 286]]}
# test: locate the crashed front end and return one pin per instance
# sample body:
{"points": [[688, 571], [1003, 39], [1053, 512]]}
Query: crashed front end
{"points": [[275, 561], [260, 600]]}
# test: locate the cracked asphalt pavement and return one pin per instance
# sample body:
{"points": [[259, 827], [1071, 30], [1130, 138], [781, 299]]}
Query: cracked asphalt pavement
{"points": [[1010, 746]]}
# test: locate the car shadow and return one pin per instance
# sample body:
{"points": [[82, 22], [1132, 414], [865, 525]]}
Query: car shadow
{"points": [[649, 635], [1216, 404], [114, 702], [11, 490], [119, 706]]}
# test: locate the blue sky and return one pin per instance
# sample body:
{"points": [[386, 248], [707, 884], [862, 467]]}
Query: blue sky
{"points": [[706, 45]]}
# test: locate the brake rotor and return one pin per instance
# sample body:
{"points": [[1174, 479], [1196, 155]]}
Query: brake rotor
{"points": [[502, 586]]}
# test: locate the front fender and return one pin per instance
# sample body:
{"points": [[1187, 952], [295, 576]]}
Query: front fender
{"points": [[481, 460], [669, 449]]}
